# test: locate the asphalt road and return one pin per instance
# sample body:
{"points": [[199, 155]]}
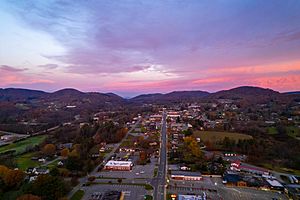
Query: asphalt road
{"points": [[160, 181]]}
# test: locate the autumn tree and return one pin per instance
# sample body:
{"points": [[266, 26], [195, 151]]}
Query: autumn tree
{"points": [[192, 151], [49, 149], [3, 171], [29, 197], [13, 178], [65, 152]]}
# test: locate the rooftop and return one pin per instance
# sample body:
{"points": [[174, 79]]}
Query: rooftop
{"points": [[118, 163]]}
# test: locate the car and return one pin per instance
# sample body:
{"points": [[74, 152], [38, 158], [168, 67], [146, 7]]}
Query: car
{"points": [[137, 173], [142, 172]]}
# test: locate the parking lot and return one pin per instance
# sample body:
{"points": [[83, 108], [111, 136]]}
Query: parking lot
{"points": [[138, 171], [130, 191], [214, 189]]}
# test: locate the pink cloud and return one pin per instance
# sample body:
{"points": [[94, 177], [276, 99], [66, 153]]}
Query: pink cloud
{"points": [[13, 76]]}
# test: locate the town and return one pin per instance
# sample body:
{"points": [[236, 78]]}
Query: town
{"points": [[150, 100], [210, 149]]}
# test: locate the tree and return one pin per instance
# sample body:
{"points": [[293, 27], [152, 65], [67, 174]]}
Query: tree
{"points": [[49, 187], [3, 170], [49, 149], [29, 197], [65, 152], [194, 152], [54, 172], [74, 153], [13, 178]]}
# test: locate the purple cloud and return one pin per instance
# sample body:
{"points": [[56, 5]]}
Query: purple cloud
{"points": [[49, 66], [12, 69]]}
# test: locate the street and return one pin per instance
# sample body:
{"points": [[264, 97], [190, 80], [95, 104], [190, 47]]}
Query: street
{"points": [[160, 181]]}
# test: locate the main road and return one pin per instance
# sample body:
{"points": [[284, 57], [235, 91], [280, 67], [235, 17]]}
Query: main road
{"points": [[160, 181]]}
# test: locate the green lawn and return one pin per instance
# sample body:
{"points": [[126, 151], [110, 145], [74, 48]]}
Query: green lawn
{"points": [[24, 161], [293, 131], [214, 136], [272, 130], [53, 165], [20, 146], [77, 195]]}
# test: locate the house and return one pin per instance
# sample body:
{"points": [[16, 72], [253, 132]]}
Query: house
{"points": [[42, 160], [32, 178], [186, 175], [39, 171], [185, 168], [29, 170], [118, 165], [60, 163]]}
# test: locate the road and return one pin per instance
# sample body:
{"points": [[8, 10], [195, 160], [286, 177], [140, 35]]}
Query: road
{"points": [[160, 181]]}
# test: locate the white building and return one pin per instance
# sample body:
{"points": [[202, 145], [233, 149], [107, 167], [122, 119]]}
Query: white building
{"points": [[118, 165]]}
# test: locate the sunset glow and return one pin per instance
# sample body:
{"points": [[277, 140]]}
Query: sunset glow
{"points": [[130, 47]]}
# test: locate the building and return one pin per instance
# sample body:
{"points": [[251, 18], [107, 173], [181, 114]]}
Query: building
{"points": [[186, 175], [274, 184], [118, 165], [231, 179], [192, 197]]}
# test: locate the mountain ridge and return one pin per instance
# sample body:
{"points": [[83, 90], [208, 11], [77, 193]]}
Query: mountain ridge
{"points": [[15, 94]]}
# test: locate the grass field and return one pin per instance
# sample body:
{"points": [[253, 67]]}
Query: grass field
{"points": [[20, 146], [24, 161], [214, 136]]}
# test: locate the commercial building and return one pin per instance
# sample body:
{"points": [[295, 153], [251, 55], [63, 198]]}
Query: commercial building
{"points": [[192, 197], [186, 175], [118, 165]]}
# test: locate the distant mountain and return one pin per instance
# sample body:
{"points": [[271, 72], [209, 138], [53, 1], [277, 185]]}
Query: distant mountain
{"points": [[249, 95], [66, 96], [76, 97], [242, 92], [17, 94], [170, 97], [152, 97], [294, 92]]}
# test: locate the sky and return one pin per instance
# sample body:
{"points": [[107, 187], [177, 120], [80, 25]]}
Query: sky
{"points": [[131, 47]]}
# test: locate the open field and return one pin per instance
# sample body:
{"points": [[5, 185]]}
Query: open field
{"points": [[21, 146], [217, 136], [24, 161]]}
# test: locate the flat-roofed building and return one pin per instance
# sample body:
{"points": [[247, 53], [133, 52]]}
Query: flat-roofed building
{"points": [[118, 165], [186, 175]]}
